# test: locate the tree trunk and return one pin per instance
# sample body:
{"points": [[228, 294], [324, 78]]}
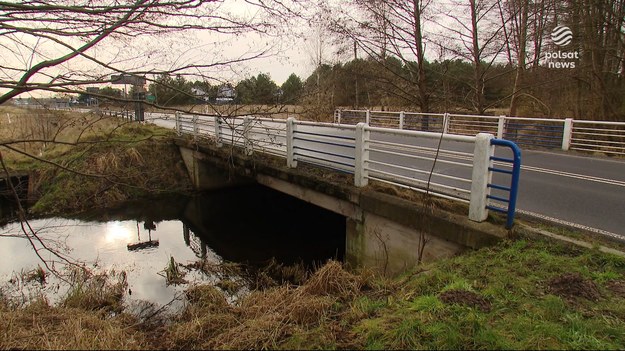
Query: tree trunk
{"points": [[423, 94], [478, 74], [520, 29]]}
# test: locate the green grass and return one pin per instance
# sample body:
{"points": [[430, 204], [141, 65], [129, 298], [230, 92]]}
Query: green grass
{"points": [[515, 278]]}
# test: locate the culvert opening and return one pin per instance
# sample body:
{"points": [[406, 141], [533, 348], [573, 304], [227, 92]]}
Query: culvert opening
{"points": [[254, 224]]}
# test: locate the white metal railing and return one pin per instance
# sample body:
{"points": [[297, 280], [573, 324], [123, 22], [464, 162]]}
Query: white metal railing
{"points": [[456, 167], [129, 115], [252, 133], [595, 136], [565, 134]]}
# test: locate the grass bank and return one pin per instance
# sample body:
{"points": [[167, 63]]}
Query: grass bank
{"points": [[522, 294], [80, 161]]}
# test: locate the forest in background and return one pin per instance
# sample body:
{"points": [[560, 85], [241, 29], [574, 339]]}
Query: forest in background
{"points": [[491, 57], [535, 58]]}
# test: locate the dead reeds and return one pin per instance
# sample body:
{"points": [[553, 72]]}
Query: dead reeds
{"points": [[264, 318], [97, 292], [89, 317]]}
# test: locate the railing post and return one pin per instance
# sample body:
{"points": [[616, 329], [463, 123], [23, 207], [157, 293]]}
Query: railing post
{"points": [[178, 129], [567, 133], [291, 162], [337, 117], [218, 131], [247, 141], [361, 174], [368, 117], [446, 123], [402, 115], [196, 128], [501, 124], [481, 177]]}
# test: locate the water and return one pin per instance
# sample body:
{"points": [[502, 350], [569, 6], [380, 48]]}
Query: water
{"points": [[248, 225]]}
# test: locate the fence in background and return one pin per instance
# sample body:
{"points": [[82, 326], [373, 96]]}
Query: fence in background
{"points": [[456, 167], [565, 134]]}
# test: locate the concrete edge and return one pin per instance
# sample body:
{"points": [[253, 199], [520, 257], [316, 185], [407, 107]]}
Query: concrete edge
{"points": [[449, 226], [581, 243]]}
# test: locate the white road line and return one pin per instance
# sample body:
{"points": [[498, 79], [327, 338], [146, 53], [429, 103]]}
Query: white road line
{"points": [[536, 169], [574, 175], [571, 224], [569, 155]]}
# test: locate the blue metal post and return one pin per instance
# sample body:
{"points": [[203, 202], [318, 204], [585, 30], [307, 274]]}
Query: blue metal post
{"points": [[514, 182]]}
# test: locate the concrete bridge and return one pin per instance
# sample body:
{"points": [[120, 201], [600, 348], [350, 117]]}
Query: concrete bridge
{"points": [[373, 177], [581, 188]]}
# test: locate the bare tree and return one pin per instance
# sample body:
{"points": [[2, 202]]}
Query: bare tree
{"points": [[475, 29], [394, 27], [599, 26], [65, 46]]}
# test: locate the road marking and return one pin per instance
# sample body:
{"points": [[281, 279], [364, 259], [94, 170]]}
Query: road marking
{"points": [[523, 167], [585, 157], [573, 225], [574, 175]]}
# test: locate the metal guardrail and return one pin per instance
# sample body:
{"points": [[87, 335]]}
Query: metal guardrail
{"points": [[434, 163], [595, 136], [566, 134], [129, 115], [510, 190], [399, 157], [323, 144]]}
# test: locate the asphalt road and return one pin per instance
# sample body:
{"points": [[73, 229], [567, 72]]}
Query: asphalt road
{"points": [[587, 192], [580, 190]]}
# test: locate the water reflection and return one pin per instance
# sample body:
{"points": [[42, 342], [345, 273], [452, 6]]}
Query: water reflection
{"points": [[104, 246], [248, 225], [115, 231]]}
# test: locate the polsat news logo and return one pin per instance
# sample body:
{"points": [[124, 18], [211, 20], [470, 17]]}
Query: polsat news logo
{"points": [[562, 36]]}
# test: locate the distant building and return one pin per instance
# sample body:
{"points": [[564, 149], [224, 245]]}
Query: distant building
{"points": [[19, 101], [225, 94], [200, 94]]}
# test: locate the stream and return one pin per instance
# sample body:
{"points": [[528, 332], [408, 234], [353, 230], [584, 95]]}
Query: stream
{"points": [[249, 225]]}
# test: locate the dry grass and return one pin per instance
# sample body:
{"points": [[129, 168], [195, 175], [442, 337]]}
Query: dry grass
{"points": [[44, 133], [333, 280], [500, 297], [172, 273], [264, 319], [101, 292], [89, 318], [122, 170], [40, 326]]}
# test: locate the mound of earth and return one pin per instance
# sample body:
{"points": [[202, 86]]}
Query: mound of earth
{"points": [[572, 285], [465, 297]]}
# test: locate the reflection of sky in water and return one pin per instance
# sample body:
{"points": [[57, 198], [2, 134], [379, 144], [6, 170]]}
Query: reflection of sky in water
{"points": [[105, 245]]}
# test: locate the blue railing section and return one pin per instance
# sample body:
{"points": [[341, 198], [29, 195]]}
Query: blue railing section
{"points": [[535, 134], [513, 188]]}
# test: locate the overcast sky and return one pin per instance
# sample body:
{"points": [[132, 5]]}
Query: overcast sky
{"points": [[283, 52]]}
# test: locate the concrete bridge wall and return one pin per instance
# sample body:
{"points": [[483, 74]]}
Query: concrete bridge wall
{"points": [[384, 232]]}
